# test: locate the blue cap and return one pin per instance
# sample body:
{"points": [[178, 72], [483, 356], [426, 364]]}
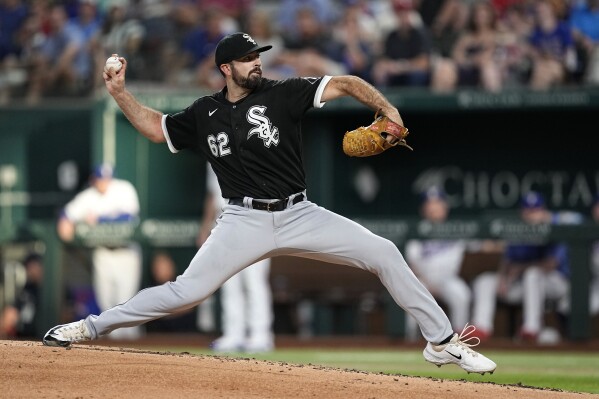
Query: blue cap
{"points": [[103, 171], [532, 199], [595, 200], [432, 193]]}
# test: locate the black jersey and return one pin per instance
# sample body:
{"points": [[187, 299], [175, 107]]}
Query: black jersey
{"points": [[255, 144]]}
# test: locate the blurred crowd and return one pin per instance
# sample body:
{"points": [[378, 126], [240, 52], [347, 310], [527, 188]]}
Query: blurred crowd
{"points": [[58, 48]]}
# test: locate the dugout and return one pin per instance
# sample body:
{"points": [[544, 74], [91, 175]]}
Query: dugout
{"points": [[485, 149]]}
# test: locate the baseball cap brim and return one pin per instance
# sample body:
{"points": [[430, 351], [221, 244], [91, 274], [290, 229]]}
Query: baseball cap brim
{"points": [[258, 49]]}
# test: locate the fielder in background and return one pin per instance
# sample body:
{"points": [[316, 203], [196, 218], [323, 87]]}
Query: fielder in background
{"points": [[530, 274], [19, 319], [246, 298], [116, 269], [437, 263], [594, 264], [251, 133]]}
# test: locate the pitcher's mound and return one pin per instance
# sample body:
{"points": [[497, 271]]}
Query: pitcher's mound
{"points": [[29, 369]]}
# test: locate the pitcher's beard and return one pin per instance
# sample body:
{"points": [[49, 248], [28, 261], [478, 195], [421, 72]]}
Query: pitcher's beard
{"points": [[250, 82]]}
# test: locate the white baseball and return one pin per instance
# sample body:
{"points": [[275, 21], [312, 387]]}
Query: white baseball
{"points": [[113, 63]]}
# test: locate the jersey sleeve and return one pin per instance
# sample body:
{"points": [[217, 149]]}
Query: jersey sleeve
{"points": [[78, 207], [306, 93], [180, 130]]}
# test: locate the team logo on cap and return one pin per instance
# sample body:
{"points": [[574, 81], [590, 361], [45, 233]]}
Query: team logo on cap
{"points": [[249, 39]]}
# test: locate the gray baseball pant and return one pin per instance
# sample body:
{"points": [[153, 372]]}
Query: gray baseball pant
{"points": [[242, 236]]}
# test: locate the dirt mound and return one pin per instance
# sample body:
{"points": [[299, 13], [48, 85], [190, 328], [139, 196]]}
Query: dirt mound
{"points": [[29, 369]]}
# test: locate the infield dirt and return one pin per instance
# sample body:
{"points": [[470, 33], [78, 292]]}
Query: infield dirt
{"points": [[29, 369]]}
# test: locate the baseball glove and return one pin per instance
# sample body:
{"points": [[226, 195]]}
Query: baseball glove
{"points": [[372, 139]]}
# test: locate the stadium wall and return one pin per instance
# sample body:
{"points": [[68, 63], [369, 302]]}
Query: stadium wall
{"points": [[484, 149]]}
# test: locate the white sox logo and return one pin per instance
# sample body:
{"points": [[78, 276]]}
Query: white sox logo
{"points": [[264, 129], [249, 38]]}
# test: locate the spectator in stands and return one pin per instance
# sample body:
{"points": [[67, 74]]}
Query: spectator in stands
{"points": [[195, 64], [237, 12], [259, 26], [159, 46], [552, 48], [19, 319], [473, 62], [437, 263], [530, 274], [123, 36], [89, 22], [312, 51], [512, 54], [13, 14], [88, 19], [326, 12], [63, 65], [445, 20], [406, 55], [358, 33], [584, 21], [185, 15]]}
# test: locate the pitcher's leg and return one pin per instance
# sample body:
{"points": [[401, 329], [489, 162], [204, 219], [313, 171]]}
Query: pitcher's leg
{"points": [[234, 244], [340, 240]]}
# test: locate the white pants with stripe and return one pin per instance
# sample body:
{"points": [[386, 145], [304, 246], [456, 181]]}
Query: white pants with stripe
{"points": [[246, 300], [532, 290], [116, 278]]}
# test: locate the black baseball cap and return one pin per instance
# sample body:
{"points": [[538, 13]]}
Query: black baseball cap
{"points": [[235, 46]]}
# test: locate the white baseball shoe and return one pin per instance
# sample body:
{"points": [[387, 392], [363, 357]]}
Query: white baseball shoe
{"points": [[226, 344], [66, 334], [460, 352], [259, 345]]}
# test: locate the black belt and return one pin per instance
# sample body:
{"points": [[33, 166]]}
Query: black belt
{"points": [[274, 206]]}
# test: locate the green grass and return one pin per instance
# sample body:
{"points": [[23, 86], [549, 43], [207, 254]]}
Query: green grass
{"points": [[568, 371]]}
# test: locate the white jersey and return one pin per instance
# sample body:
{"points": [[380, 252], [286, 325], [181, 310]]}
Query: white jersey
{"points": [[435, 259], [120, 198], [117, 270]]}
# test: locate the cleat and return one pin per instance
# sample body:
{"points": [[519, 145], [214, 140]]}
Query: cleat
{"points": [[65, 335], [459, 351]]}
